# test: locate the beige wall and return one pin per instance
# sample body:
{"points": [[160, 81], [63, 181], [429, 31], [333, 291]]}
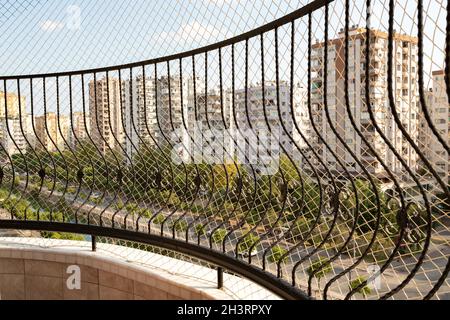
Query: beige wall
{"points": [[33, 279]]}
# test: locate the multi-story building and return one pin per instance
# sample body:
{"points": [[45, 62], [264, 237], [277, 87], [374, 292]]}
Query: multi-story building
{"points": [[209, 121], [301, 117], [156, 114], [277, 118], [12, 127], [31, 137], [11, 136], [80, 127], [106, 113], [139, 110], [406, 100], [439, 111], [53, 131]]}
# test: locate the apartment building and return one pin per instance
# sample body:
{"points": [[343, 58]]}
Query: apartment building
{"points": [[106, 113], [53, 131], [80, 124], [11, 134], [406, 100], [29, 130], [139, 109], [277, 118], [303, 131], [153, 114], [439, 111], [209, 123]]}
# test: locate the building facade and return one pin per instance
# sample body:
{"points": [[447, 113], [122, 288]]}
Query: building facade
{"points": [[53, 131], [439, 111], [80, 124], [406, 100], [153, 114], [105, 112], [13, 124]]}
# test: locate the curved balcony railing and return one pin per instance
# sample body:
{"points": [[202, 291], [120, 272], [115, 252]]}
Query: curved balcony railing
{"points": [[315, 168]]}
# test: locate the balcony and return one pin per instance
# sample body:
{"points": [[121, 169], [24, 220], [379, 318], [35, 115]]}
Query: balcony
{"points": [[205, 177]]}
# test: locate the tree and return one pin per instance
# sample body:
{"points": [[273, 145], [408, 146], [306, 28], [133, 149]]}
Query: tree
{"points": [[180, 226], [200, 229], [245, 245], [319, 269], [276, 254], [159, 219], [219, 235], [364, 290], [301, 228], [369, 207]]}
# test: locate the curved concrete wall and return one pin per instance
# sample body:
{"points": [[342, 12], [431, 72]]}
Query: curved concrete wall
{"points": [[32, 268]]}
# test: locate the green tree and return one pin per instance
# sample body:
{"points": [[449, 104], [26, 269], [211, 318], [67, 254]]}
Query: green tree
{"points": [[276, 254], [249, 240], [200, 229], [219, 235], [159, 219], [364, 290], [319, 269]]}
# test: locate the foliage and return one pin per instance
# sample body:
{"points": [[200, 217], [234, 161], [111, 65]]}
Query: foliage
{"points": [[277, 253], [301, 227], [364, 290], [61, 235], [159, 219], [131, 207], [320, 268], [219, 235], [146, 213], [200, 229], [180, 226], [247, 243]]}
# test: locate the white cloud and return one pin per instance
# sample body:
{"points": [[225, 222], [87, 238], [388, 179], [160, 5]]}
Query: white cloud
{"points": [[51, 25], [223, 1], [191, 32]]}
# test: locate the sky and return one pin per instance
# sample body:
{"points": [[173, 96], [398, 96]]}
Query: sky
{"points": [[43, 36], [39, 36], [62, 35]]}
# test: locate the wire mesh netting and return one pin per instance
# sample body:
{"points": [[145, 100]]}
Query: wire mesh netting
{"points": [[314, 148]]}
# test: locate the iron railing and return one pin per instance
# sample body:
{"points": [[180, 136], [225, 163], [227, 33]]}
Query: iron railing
{"points": [[327, 176]]}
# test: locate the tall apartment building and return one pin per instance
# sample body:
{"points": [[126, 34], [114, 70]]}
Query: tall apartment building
{"points": [[154, 118], [439, 110], [405, 91], [301, 117], [52, 130], [139, 110], [29, 130], [208, 124], [80, 127], [106, 113], [11, 135], [261, 121]]}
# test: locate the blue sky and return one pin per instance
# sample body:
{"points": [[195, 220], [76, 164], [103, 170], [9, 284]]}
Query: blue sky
{"points": [[41, 36], [46, 36]]}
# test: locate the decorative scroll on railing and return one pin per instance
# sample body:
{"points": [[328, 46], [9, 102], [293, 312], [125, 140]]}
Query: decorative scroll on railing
{"points": [[317, 156]]}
